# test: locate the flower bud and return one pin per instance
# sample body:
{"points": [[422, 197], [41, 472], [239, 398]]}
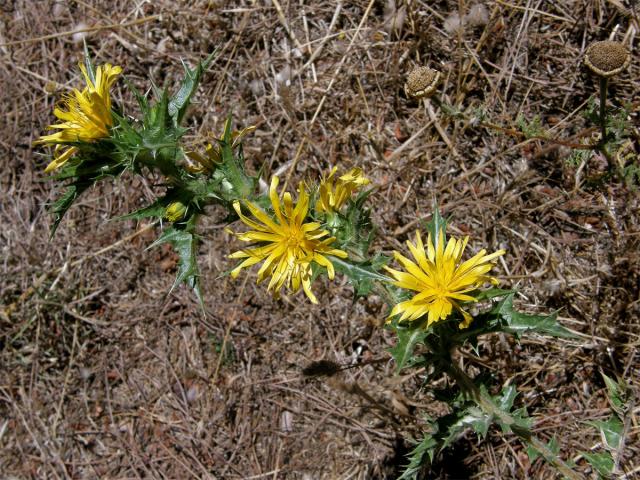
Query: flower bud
{"points": [[175, 211]]}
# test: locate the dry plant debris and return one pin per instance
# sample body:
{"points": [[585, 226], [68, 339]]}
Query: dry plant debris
{"points": [[102, 375]]}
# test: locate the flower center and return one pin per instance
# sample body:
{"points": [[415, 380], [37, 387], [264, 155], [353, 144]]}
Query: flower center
{"points": [[296, 237]]}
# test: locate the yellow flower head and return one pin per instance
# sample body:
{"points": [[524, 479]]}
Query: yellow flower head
{"points": [[86, 115], [335, 193], [440, 278], [286, 244]]}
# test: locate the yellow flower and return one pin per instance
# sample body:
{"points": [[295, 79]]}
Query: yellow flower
{"points": [[175, 211], [286, 244], [440, 279], [334, 194], [86, 116]]}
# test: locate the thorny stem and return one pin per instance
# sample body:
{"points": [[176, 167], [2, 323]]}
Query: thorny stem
{"points": [[487, 404]]}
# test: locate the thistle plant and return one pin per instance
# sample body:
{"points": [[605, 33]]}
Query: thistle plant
{"points": [[434, 300], [97, 141], [606, 460], [435, 323]]}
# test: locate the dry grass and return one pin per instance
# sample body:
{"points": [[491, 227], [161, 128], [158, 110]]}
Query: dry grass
{"points": [[105, 376]]}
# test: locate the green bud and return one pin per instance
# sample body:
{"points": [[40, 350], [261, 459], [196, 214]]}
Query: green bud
{"points": [[175, 211]]}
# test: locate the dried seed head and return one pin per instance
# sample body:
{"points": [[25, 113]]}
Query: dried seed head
{"points": [[607, 58], [422, 82]]}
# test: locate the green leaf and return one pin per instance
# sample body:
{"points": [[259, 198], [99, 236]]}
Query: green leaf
{"points": [[88, 64], [90, 165], [506, 398], [185, 243], [553, 446], [616, 392], [518, 323], [143, 101], [158, 208], [504, 318], [602, 462], [610, 431], [437, 225], [490, 294], [60, 206], [478, 420], [179, 102], [233, 169], [421, 455], [362, 275], [451, 427], [157, 145], [408, 338], [516, 421], [155, 210], [353, 230]]}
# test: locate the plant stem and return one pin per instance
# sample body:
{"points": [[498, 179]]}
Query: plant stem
{"points": [[604, 81], [487, 404]]}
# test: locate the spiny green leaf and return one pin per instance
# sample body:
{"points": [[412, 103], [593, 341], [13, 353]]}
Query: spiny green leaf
{"points": [[418, 457], [408, 338], [610, 430], [158, 208], [506, 398], [602, 462], [452, 426], [84, 171], [143, 101], [155, 122], [233, 169], [180, 101], [155, 210], [60, 206], [159, 139], [518, 323], [478, 420], [516, 421], [185, 243], [353, 230], [361, 274]]}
